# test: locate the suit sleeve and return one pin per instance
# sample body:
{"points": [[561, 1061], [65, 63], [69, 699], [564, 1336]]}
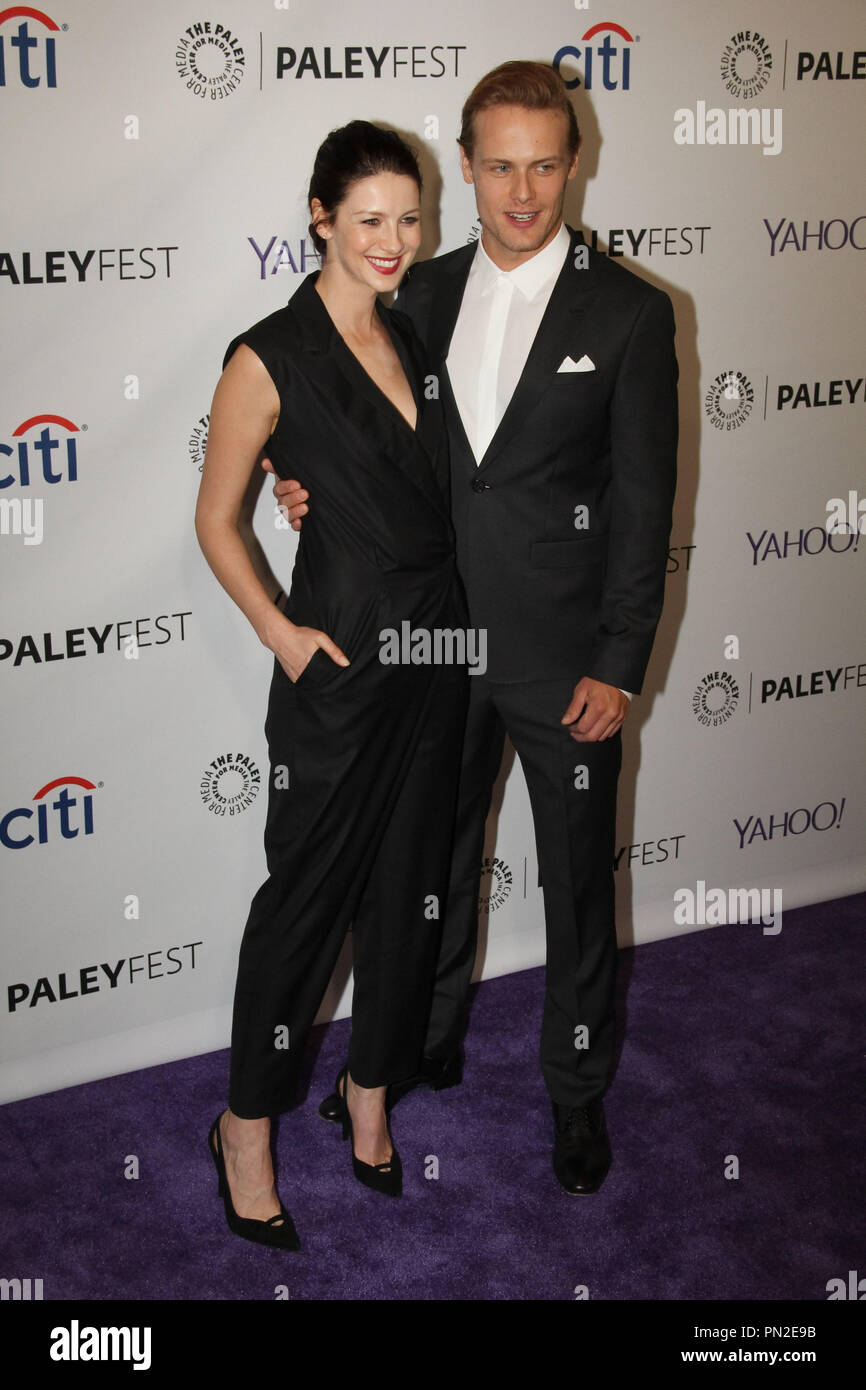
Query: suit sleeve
{"points": [[643, 436]]}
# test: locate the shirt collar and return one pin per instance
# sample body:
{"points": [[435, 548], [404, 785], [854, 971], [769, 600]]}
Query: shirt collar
{"points": [[532, 276]]}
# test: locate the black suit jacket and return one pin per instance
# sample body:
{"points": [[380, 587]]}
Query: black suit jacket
{"points": [[556, 600]]}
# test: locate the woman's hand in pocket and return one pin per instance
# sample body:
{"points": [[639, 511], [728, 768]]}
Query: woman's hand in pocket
{"points": [[294, 647]]}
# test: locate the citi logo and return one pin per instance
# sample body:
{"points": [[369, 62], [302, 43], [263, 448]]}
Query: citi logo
{"points": [[613, 58], [55, 464], [73, 815], [32, 66]]}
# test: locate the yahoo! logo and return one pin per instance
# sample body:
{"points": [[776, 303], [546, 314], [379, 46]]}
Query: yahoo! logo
{"points": [[44, 445], [278, 256], [23, 41], [606, 51], [63, 805], [843, 236]]}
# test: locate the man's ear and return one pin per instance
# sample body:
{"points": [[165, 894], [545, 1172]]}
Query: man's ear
{"points": [[465, 165]]}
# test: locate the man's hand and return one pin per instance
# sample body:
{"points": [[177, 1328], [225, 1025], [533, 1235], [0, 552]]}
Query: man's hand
{"points": [[290, 497], [596, 711]]}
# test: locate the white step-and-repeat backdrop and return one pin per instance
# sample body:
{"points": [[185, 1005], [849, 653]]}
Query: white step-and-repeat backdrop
{"points": [[155, 160]]}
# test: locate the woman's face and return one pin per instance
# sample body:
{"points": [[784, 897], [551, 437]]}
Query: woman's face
{"points": [[375, 232]]}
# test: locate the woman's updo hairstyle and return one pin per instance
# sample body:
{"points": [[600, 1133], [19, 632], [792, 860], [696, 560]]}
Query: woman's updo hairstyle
{"points": [[356, 151]]}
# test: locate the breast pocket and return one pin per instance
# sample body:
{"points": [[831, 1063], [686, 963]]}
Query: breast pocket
{"points": [[580, 390], [575, 378], [583, 550]]}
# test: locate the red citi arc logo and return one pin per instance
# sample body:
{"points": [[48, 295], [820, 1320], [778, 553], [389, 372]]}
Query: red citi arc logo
{"points": [[67, 809], [32, 67], [45, 446], [606, 53]]}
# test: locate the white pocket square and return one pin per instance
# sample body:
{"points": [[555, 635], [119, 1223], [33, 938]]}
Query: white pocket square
{"points": [[585, 364]]}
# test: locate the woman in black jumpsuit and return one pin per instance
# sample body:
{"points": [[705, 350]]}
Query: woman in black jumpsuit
{"points": [[364, 757]]}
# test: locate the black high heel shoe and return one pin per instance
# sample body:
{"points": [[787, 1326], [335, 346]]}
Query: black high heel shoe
{"points": [[261, 1232], [384, 1177]]}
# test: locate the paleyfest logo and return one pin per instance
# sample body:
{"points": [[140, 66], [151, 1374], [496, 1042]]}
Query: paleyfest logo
{"points": [[210, 60]]}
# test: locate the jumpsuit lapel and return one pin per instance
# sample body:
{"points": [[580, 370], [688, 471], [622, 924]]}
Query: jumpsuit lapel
{"points": [[412, 451]]}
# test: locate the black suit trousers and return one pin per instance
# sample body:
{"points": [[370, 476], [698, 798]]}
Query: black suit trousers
{"points": [[572, 790], [361, 802]]}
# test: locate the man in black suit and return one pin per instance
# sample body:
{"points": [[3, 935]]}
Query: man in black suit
{"points": [[558, 376]]}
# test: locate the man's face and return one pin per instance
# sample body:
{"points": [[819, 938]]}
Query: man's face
{"points": [[520, 169]]}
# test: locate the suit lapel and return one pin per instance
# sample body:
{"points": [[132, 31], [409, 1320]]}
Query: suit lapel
{"points": [[447, 298], [459, 439], [572, 294]]}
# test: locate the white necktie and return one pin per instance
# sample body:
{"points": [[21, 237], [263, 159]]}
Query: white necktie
{"points": [[489, 367]]}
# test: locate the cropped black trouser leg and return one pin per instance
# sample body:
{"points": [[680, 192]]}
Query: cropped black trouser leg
{"points": [[362, 831]]}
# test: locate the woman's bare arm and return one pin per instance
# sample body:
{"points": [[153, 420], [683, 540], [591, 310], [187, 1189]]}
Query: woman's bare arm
{"points": [[243, 415]]}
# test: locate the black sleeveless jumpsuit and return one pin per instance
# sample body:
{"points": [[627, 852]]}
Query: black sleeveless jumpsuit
{"points": [[364, 759]]}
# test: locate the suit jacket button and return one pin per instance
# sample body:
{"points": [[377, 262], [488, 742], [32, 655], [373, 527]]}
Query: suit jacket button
{"points": [[478, 485]]}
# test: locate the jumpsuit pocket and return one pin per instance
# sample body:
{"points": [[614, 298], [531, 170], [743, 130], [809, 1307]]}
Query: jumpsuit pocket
{"points": [[317, 670], [356, 633]]}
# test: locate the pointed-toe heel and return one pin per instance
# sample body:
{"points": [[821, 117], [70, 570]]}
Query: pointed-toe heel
{"points": [[267, 1232], [386, 1177]]}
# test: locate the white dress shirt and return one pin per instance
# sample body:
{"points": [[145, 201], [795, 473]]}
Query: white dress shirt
{"points": [[499, 317], [500, 314]]}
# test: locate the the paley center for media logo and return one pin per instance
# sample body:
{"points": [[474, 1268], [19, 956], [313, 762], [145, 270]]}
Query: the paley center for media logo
{"points": [[745, 68], [210, 60]]}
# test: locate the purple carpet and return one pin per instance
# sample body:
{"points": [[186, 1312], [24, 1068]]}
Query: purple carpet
{"points": [[732, 1043]]}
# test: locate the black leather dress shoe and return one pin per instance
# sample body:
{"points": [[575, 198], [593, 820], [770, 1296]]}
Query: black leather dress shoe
{"points": [[436, 1074], [581, 1151], [439, 1075]]}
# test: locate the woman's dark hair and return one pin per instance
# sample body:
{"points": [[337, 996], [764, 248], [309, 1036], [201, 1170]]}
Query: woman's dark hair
{"points": [[356, 151]]}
